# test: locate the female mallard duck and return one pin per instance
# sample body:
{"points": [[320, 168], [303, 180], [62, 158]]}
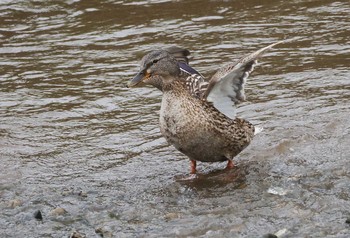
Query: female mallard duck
{"points": [[196, 116]]}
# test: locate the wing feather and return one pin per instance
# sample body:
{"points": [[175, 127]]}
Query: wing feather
{"points": [[226, 87], [196, 85]]}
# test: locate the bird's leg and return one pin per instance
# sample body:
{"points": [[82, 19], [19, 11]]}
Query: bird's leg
{"points": [[193, 166], [230, 164]]}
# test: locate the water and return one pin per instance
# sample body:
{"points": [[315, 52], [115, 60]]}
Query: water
{"points": [[73, 136]]}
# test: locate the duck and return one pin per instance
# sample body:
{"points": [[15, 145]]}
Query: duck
{"points": [[198, 116]]}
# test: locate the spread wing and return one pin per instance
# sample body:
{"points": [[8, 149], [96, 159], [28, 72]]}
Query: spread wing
{"points": [[226, 87]]}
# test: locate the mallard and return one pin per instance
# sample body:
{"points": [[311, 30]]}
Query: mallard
{"points": [[198, 116]]}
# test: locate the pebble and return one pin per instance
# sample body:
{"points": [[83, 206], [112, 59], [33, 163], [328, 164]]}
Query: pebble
{"points": [[15, 203], [277, 191], [38, 215], [82, 194], [105, 232], [58, 211], [99, 231], [281, 233], [66, 193], [76, 234], [171, 216]]}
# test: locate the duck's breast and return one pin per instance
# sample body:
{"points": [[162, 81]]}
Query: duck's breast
{"points": [[186, 124]]}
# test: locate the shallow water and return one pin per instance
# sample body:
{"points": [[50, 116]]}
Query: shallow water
{"points": [[73, 136]]}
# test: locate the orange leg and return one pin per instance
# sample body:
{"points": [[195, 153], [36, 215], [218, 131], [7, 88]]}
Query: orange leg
{"points": [[193, 166], [230, 164]]}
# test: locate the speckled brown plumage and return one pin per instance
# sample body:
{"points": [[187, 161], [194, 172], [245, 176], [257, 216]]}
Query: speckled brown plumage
{"points": [[199, 117], [199, 130]]}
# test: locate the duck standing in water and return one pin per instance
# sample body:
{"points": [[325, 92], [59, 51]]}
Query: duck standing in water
{"points": [[197, 116]]}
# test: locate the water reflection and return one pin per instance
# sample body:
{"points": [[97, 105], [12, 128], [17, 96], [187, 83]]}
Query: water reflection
{"points": [[216, 179]]}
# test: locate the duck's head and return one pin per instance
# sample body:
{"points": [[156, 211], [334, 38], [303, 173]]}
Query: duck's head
{"points": [[158, 68]]}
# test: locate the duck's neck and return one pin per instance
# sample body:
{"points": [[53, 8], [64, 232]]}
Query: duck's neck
{"points": [[175, 85], [157, 81], [165, 83]]}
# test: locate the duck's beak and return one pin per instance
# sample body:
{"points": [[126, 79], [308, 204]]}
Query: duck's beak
{"points": [[137, 79]]}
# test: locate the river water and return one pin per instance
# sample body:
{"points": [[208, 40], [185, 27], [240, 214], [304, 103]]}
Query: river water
{"points": [[73, 136]]}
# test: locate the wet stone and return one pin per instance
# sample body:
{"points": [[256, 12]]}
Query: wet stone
{"points": [[105, 232], [38, 215], [76, 234], [99, 231], [58, 211], [277, 191], [281, 233], [82, 194], [66, 193], [270, 236], [171, 216]]}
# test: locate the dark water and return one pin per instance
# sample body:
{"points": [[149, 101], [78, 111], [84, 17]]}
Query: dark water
{"points": [[73, 136]]}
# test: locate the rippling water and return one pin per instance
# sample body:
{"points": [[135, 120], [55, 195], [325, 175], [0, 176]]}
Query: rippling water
{"points": [[73, 136]]}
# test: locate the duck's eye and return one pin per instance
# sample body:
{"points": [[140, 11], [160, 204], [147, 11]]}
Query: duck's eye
{"points": [[155, 61]]}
